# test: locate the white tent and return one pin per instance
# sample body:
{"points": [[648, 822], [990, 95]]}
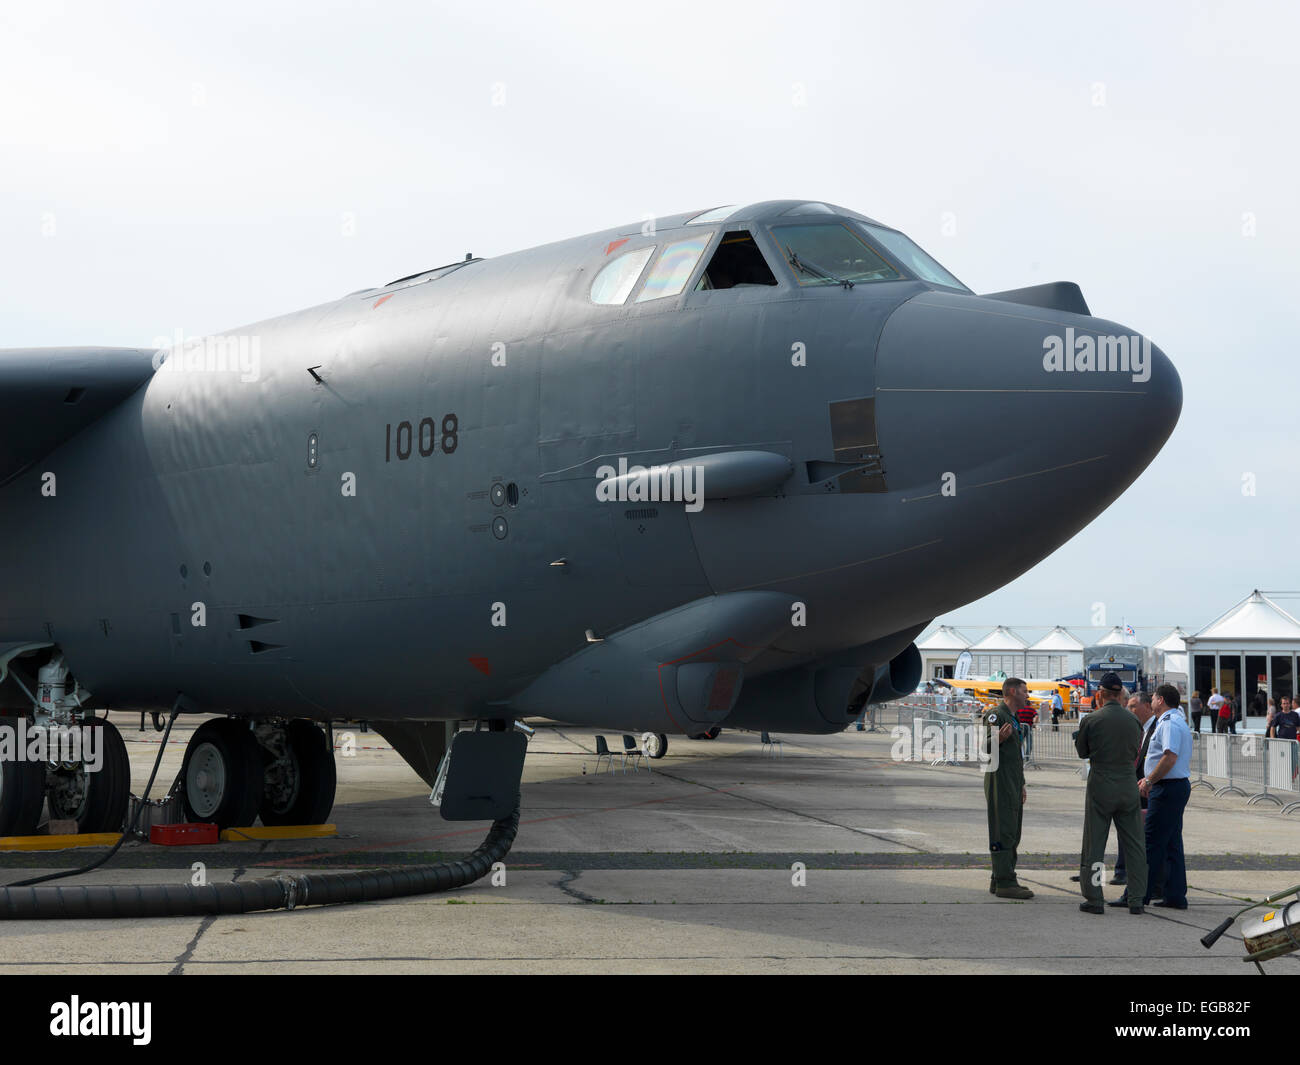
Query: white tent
{"points": [[944, 638], [1000, 639], [1057, 654], [939, 652], [1252, 646], [1171, 657], [999, 651], [1255, 617], [1172, 642]]}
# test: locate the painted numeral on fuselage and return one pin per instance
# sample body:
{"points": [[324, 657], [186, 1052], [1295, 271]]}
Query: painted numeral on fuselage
{"points": [[427, 437]]}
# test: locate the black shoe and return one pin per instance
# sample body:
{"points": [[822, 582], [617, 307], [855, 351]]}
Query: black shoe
{"points": [[1166, 904], [1075, 879], [1121, 901], [1092, 906], [1121, 879], [1137, 908]]}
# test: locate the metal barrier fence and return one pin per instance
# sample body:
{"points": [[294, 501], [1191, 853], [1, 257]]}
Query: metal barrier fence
{"points": [[1258, 769]]}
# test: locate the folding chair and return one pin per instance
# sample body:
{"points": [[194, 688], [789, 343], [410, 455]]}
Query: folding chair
{"points": [[603, 751], [631, 749]]}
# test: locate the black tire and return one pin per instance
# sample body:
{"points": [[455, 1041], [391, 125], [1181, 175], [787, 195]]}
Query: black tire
{"points": [[222, 773], [713, 733], [22, 788], [311, 795], [96, 801], [655, 744]]}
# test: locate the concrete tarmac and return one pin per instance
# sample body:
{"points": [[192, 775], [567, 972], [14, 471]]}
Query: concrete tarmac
{"points": [[690, 867]]}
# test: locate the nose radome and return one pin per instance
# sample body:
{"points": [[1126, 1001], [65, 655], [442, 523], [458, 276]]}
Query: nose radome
{"points": [[998, 393], [1166, 395], [994, 451]]}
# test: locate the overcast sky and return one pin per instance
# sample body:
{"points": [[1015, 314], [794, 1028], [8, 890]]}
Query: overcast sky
{"points": [[171, 166]]}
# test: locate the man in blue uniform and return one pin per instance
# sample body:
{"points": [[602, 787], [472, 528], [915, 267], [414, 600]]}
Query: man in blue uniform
{"points": [[1166, 787]]}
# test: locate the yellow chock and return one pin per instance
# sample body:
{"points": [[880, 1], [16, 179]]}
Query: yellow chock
{"points": [[255, 832]]}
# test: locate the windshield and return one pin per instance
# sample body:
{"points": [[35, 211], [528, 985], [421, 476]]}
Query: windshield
{"points": [[909, 254], [830, 254]]}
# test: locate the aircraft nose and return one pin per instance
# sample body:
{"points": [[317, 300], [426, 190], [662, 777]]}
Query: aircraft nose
{"points": [[1165, 397], [984, 403]]}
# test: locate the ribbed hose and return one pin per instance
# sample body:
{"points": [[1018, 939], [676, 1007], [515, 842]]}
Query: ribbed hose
{"points": [[277, 893]]}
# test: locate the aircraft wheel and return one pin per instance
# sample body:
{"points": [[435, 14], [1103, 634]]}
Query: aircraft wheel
{"points": [[22, 787], [299, 790], [713, 733], [655, 744], [222, 774], [96, 800]]}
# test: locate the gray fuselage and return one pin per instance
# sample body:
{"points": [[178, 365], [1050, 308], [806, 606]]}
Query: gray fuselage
{"points": [[353, 582]]}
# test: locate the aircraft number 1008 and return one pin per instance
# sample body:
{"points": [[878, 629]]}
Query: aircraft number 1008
{"points": [[425, 437]]}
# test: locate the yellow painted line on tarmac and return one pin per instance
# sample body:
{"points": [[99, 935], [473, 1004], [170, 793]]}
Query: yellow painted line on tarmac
{"points": [[58, 843], [107, 839], [254, 832]]}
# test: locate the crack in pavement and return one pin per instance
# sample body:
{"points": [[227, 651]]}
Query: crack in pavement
{"points": [[179, 967], [565, 884]]}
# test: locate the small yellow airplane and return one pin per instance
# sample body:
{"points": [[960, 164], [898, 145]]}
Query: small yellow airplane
{"points": [[989, 692]]}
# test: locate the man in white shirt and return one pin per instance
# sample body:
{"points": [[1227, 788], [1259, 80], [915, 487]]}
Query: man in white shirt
{"points": [[1166, 786], [1212, 704]]}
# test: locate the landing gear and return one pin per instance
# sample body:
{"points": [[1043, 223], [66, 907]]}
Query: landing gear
{"points": [[96, 800], [655, 744], [712, 734], [298, 772], [282, 772], [22, 788], [223, 774]]}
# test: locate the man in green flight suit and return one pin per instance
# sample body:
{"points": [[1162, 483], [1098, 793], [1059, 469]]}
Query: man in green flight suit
{"points": [[1110, 737], [1004, 789]]}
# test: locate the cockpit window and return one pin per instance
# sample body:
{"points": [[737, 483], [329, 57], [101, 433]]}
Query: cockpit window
{"points": [[715, 215], [736, 264], [909, 254], [615, 282], [830, 254], [669, 275]]}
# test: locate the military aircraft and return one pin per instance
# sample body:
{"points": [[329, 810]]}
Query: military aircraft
{"points": [[720, 468]]}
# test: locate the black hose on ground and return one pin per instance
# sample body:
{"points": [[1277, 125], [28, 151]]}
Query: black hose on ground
{"points": [[277, 893]]}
